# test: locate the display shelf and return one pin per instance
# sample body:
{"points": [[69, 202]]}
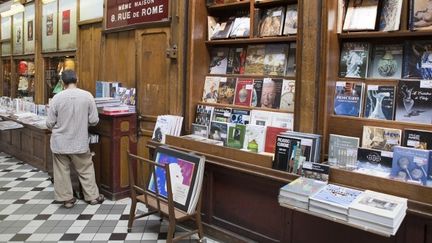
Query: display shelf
{"points": [[250, 76], [53, 66], [372, 81], [386, 35], [271, 3], [255, 40], [228, 6], [243, 107]]}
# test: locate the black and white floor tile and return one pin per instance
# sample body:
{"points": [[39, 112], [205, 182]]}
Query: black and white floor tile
{"points": [[28, 213]]}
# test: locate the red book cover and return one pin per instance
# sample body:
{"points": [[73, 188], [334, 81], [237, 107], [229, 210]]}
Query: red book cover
{"points": [[66, 22], [271, 134], [243, 91]]}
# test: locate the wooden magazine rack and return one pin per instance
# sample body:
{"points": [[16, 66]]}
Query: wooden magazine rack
{"points": [[158, 204]]}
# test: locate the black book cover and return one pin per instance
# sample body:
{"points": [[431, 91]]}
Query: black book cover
{"points": [[354, 60], [236, 60], [417, 62], [417, 139], [218, 60], [380, 102], [414, 101], [283, 152], [256, 93], [371, 160]]}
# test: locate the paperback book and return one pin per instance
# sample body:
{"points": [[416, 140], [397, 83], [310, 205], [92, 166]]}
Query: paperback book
{"points": [[285, 153], [283, 120], [316, 171], [226, 91], [218, 60], [261, 118], [310, 145], [219, 131], [418, 60], [257, 92], [354, 60], [380, 102], [270, 139], [417, 139], [236, 136], [410, 164], [288, 95], [255, 59], [291, 62], [241, 27], [243, 91], [291, 20], [381, 138], [414, 101], [343, 151], [200, 130], [222, 114], [348, 98], [374, 162], [300, 190], [255, 138], [271, 23], [204, 115], [390, 15], [271, 93], [212, 27], [275, 59], [224, 29], [386, 62], [361, 15], [239, 116], [236, 60], [167, 125], [211, 87], [420, 12]]}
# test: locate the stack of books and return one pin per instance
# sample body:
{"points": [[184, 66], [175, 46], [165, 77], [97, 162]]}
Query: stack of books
{"points": [[107, 102], [333, 201], [167, 125], [297, 193], [9, 125], [381, 212]]}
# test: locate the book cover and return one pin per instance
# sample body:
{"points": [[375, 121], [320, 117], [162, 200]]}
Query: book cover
{"points": [[204, 115], [271, 93], [236, 136], [254, 138], [417, 62], [239, 116], [212, 27], [417, 139], [386, 62], [271, 23], [342, 151], [275, 59], [236, 60], [243, 91], [284, 152], [200, 130], [211, 86], [361, 15], [420, 13], [219, 131], [257, 92], [226, 91], [380, 102], [224, 30], [291, 17], [308, 144], [255, 59], [283, 120], [336, 195], [222, 114], [374, 162], [414, 101], [354, 60], [410, 164], [270, 140], [291, 62], [162, 127], [390, 15], [316, 171], [287, 101], [241, 27], [303, 186], [381, 138], [66, 22], [261, 118], [218, 60], [348, 98]]}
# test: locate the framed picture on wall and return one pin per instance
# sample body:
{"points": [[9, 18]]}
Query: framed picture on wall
{"points": [[67, 24], [89, 10], [18, 34], [29, 26], [6, 25], [49, 27]]}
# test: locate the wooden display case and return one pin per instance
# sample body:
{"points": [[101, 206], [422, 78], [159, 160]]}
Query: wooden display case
{"points": [[24, 77], [53, 66]]}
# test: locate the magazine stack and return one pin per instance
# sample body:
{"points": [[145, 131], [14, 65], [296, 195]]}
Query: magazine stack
{"points": [[167, 125], [381, 212], [297, 193]]}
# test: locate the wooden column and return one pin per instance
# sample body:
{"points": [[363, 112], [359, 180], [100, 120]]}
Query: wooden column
{"points": [[40, 91]]}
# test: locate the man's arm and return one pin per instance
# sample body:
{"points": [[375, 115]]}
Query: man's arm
{"points": [[52, 116], [93, 113]]}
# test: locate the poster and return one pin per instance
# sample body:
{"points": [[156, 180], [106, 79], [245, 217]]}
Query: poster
{"points": [[49, 27], [18, 35], [29, 27], [67, 34]]}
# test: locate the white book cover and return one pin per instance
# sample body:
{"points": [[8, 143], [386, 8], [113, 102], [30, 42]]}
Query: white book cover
{"points": [[361, 222], [287, 95], [261, 118], [328, 213], [255, 138], [212, 27], [291, 23], [162, 128], [241, 27], [284, 120], [211, 87], [390, 15], [361, 15]]}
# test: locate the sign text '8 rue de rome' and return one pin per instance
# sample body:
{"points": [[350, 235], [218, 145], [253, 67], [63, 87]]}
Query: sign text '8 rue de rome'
{"points": [[121, 13]]}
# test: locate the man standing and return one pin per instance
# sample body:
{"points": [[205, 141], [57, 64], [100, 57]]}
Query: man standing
{"points": [[70, 113]]}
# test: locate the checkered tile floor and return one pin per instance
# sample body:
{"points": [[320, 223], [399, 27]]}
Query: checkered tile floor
{"points": [[28, 213]]}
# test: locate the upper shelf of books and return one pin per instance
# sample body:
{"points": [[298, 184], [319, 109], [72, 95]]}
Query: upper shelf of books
{"points": [[224, 5], [246, 40]]}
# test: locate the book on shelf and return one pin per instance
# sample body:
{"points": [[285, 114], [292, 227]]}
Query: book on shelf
{"points": [[287, 101], [378, 211], [271, 93], [222, 114], [311, 144], [270, 139], [390, 15], [361, 15], [342, 151], [285, 153], [254, 138], [9, 125], [420, 12], [348, 99], [236, 60], [291, 61], [381, 138], [380, 102], [211, 87], [354, 60], [333, 201], [167, 125], [255, 59], [261, 118], [236, 136], [414, 101], [417, 139], [316, 171], [300, 190], [200, 130], [241, 27], [417, 63], [226, 91], [341, 12], [410, 164], [271, 22], [212, 26], [186, 173], [224, 29], [257, 92], [218, 60], [283, 120], [204, 115], [243, 91], [374, 162], [240, 116], [201, 139], [275, 59], [291, 20], [386, 61], [219, 131]]}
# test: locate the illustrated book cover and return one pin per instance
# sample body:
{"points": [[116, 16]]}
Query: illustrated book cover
{"points": [[414, 101], [420, 12], [211, 87], [348, 99], [261, 118], [417, 139], [303, 187], [285, 149], [219, 131], [204, 115], [241, 27], [337, 196], [275, 59], [255, 59], [291, 20], [271, 93], [386, 61], [271, 22], [270, 140], [257, 92], [354, 60], [200, 130], [381, 138], [218, 60], [255, 138], [361, 15], [222, 114], [240, 116], [226, 91], [287, 95], [236, 136], [417, 62], [410, 164], [243, 92], [236, 60], [374, 162], [342, 151], [380, 102], [390, 15]]}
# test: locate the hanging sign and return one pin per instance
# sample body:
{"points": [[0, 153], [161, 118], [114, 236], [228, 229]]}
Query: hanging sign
{"points": [[121, 13]]}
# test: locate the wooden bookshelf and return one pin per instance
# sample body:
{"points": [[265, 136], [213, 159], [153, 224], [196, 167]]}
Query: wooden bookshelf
{"points": [[242, 107], [233, 5], [255, 40]]}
